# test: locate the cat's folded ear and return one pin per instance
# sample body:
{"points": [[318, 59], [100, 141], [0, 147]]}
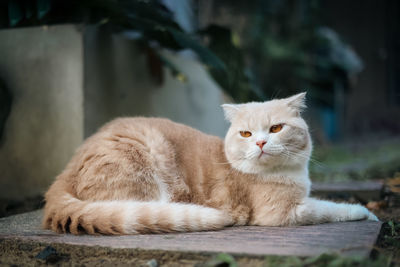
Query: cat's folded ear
{"points": [[230, 110], [297, 102]]}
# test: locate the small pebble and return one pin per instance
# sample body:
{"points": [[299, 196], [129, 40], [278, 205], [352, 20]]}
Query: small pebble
{"points": [[152, 263]]}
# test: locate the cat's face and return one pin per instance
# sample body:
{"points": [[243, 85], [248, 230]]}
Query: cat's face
{"points": [[267, 135]]}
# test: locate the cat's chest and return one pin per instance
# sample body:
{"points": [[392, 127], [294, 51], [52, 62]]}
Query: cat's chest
{"points": [[271, 193]]}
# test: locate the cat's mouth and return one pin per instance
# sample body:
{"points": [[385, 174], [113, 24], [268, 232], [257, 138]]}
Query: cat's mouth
{"points": [[263, 153]]}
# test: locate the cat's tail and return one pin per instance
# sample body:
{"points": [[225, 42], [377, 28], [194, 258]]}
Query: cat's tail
{"points": [[72, 215]]}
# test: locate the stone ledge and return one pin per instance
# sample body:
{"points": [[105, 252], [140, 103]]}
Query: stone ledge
{"points": [[361, 190], [346, 238]]}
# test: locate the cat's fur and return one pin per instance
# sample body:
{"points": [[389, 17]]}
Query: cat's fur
{"points": [[150, 175]]}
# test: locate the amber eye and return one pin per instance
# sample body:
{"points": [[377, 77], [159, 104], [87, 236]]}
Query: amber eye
{"points": [[276, 128], [245, 133]]}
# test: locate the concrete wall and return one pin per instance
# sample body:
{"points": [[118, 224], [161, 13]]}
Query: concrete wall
{"points": [[195, 103], [67, 81], [42, 67], [118, 83]]}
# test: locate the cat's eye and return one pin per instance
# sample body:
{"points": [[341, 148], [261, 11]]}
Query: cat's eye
{"points": [[276, 128], [245, 133]]}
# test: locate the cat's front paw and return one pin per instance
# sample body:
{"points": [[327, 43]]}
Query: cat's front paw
{"points": [[372, 217], [357, 212]]}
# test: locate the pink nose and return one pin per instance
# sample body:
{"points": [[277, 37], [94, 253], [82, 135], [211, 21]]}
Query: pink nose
{"points": [[261, 143]]}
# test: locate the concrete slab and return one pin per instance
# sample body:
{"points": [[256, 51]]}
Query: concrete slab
{"points": [[347, 238]]}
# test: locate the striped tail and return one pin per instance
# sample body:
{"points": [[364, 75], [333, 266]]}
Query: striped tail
{"points": [[72, 215]]}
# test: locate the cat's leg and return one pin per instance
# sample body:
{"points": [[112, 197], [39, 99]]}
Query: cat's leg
{"points": [[313, 211]]}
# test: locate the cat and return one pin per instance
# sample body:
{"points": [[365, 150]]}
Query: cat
{"points": [[151, 175]]}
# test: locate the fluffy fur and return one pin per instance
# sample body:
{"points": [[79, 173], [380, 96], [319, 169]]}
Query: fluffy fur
{"points": [[151, 175]]}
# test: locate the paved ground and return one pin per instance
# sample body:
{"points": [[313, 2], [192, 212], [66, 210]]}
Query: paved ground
{"points": [[348, 238]]}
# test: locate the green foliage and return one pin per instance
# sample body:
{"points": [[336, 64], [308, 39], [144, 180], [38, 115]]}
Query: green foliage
{"points": [[234, 80], [283, 50], [346, 162], [283, 261], [291, 51], [393, 227], [153, 23], [222, 259], [394, 238], [176, 72], [15, 13], [325, 260], [43, 7], [19, 11], [205, 54]]}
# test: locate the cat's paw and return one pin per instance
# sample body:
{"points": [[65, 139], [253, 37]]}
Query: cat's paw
{"points": [[358, 212], [372, 217]]}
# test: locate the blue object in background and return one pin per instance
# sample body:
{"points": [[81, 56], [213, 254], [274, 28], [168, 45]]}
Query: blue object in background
{"points": [[329, 123]]}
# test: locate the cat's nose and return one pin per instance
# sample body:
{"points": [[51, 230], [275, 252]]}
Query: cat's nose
{"points": [[261, 143]]}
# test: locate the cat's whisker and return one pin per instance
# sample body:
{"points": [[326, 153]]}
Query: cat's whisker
{"points": [[302, 155], [310, 157], [292, 153], [252, 154]]}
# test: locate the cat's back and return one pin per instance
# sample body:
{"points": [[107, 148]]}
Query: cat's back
{"points": [[149, 126], [158, 137]]}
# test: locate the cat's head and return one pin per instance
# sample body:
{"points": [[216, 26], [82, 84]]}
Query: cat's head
{"points": [[266, 135]]}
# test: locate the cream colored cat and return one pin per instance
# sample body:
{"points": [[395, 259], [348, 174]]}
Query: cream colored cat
{"points": [[149, 175]]}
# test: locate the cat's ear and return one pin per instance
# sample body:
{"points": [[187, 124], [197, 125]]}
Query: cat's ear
{"points": [[230, 111], [297, 102]]}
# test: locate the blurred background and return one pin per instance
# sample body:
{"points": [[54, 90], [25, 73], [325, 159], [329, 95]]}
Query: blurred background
{"points": [[67, 67]]}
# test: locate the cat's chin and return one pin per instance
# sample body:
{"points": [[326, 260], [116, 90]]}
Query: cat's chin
{"points": [[270, 158], [262, 164], [264, 155], [267, 163]]}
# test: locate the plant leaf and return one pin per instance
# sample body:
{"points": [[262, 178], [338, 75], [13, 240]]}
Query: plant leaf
{"points": [[392, 227], [29, 10], [222, 259], [206, 55], [179, 75], [15, 14], [43, 7]]}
